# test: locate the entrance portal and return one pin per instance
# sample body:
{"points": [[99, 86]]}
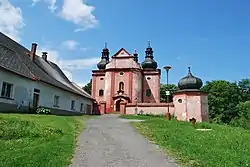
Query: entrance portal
{"points": [[117, 105]]}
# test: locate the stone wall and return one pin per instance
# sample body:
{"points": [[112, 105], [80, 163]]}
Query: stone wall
{"points": [[149, 108]]}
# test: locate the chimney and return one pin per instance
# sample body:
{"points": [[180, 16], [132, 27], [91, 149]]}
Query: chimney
{"points": [[44, 56], [33, 51]]}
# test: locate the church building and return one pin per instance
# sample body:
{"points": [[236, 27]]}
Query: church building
{"points": [[124, 79]]}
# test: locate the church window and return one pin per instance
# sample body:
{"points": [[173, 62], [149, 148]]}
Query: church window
{"points": [[121, 86], [148, 78], [121, 73], [101, 92], [148, 92]]}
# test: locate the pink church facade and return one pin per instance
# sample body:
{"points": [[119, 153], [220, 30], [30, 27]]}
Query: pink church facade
{"points": [[126, 86], [124, 80]]}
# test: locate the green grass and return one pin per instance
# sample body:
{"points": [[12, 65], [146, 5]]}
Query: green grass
{"points": [[38, 140], [224, 146]]}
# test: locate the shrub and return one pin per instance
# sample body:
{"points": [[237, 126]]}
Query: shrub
{"points": [[42, 110]]}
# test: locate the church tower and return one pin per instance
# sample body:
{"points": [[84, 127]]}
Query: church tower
{"points": [[151, 78]]}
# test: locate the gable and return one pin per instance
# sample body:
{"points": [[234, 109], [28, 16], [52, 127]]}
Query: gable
{"points": [[122, 53]]}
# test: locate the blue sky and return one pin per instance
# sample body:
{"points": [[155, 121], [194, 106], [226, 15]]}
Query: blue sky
{"points": [[212, 36]]}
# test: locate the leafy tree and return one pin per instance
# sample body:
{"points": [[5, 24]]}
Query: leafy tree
{"points": [[88, 87], [244, 86], [243, 118], [163, 88], [223, 98]]}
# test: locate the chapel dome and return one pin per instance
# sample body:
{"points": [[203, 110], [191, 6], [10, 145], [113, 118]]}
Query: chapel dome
{"points": [[190, 82], [102, 64], [149, 62], [104, 59]]}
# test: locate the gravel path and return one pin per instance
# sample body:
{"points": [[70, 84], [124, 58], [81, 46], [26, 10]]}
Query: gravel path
{"points": [[109, 141]]}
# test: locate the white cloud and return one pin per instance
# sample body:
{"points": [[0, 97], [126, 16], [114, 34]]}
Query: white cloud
{"points": [[70, 44], [34, 2], [84, 49], [51, 4], [78, 64], [79, 13], [11, 20]]}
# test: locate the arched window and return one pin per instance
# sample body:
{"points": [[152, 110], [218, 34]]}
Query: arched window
{"points": [[101, 92], [121, 86], [148, 92]]}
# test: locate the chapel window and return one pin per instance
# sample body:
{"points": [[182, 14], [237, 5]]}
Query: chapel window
{"points": [[148, 92], [101, 92], [121, 86]]}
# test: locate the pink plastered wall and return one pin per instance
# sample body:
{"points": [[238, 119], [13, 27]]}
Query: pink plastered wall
{"points": [[137, 86], [99, 85], [191, 105], [180, 108], [147, 108], [122, 78], [107, 91], [151, 82]]}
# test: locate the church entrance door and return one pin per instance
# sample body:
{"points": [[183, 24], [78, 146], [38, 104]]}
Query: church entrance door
{"points": [[117, 105]]}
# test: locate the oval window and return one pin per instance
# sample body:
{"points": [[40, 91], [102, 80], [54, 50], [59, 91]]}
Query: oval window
{"points": [[180, 100], [101, 79], [148, 78], [121, 73]]}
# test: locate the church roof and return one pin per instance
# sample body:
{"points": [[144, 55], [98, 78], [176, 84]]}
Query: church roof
{"points": [[122, 52], [15, 58]]}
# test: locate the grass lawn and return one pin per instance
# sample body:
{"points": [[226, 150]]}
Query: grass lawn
{"points": [[223, 146], [38, 140]]}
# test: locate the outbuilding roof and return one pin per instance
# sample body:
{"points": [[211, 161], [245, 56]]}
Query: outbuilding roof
{"points": [[16, 58]]}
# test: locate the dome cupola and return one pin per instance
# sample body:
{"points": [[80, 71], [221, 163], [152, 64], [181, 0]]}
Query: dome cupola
{"points": [[190, 82], [104, 59], [135, 56], [149, 62]]}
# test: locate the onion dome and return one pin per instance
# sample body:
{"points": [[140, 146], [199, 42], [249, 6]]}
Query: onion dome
{"points": [[135, 56], [149, 62], [190, 82], [104, 59]]}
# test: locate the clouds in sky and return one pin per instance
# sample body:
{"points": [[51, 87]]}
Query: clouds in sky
{"points": [[79, 13], [72, 11], [11, 20], [75, 11], [51, 4], [70, 44]]}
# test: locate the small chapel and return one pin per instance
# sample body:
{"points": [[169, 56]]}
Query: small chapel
{"points": [[122, 84]]}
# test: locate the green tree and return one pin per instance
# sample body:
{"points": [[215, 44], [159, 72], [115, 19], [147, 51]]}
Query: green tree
{"points": [[163, 88], [244, 86], [88, 87], [223, 98], [243, 118]]}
